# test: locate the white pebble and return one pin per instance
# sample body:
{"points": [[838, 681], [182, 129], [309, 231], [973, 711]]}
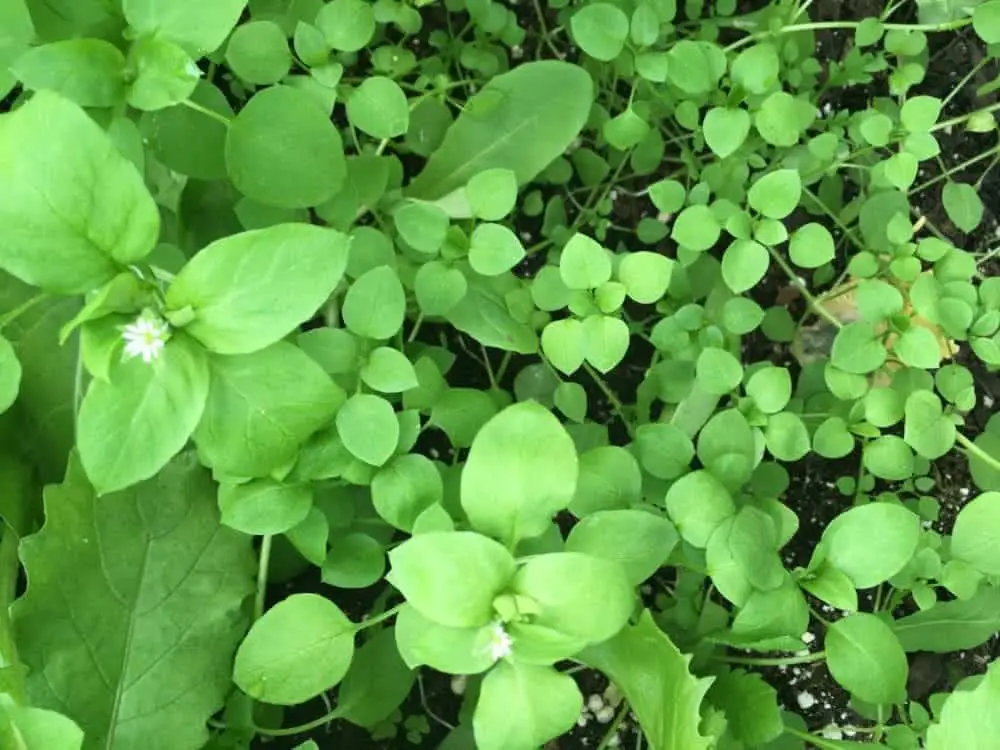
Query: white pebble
{"points": [[805, 700], [595, 703], [458, 683]]}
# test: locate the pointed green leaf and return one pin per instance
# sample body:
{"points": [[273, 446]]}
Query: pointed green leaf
{"points": [[264, 506], [375, 304], [865, 657], [91, 72], [849, 548], [199, 27], [606, 340], [969, 718], [976, 535], [405, 488], [368, 426]]}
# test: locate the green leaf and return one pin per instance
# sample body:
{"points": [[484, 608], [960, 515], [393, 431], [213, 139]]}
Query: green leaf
{"points": [[571, 400], [564, 344], [451, 577], [832, 438], [452, 650], [264, 506], [379, 108], [858, 349], [494, 249], [261, 408], [928, 431], [949, 626], [163, 75], [641, 541], [719, 372], [584, 264], [88, 71], [750, 706], [521, 470], [654, 677], [258, 53], [609, 479], [492, 193], [601, 30], [786, 436], [355, 561], [18, 35], [889, 457], [423, 226], [756, 69], [664, 450], [782, 118], [521, 120], [252, 289], [646, 276], [439, 288], [976, 535], [770, 388], [27, 728], [726, 129], [865, 657], [368, 426], [197, 26], [131, 426], [744, 264], [10, 375], [187, 141], [607, 341], [727, 447], [776, 194], [698, 503], [74, 209], [376, 684], [405, 488], [547, 702], [461, 413], [696, 228], [811, 246], [586, 598], [918, 347], [962, 204], [301, 647], [920, 113], [968, 717], [667, 195], [162, 666], [282, 150], [389, 371], [848, 540], [375, 304], [876, 128], [625, 130], [348, 25], [986, 23]]}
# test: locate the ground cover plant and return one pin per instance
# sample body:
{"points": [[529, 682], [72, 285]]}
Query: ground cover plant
{"points": [[470, 374]]}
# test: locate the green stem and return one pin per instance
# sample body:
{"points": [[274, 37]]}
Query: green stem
{"points": [[616, 403], [976, 451], [964, 118], [821, 25], [265, 560], [945, 174], [776, 661], [206, 111], [814, 304], [309, 725], [9, 317], [371, 621]]}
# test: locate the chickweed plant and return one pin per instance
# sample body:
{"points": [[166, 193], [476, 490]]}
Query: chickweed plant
{"points": [[497, 333]]}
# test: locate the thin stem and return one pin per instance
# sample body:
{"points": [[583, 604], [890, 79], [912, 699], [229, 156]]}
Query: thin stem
{"points": [[976, 451], [776, 661], [206, 111], [814, 304], [960, 86], [820, 25], [943, 125], [9, 317], [616, 403], [265, 560], [371, 621], [947, 173], [309, 725]]}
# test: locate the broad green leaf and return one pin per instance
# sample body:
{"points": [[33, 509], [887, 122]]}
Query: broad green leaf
{"points": [[962, 204], [484, 315], [301, 647], [918, 347], [744, 264], [521, 120], [10, 375], [950, 626], [91, 72], [348, 25], [727, 446], [698, 503], [451, 577], [521, 470], [249, 290], [379, 108], [782, 118], [26, 728], [258, 53], [969, 718], [422, 226], [584, 264], [389, 371], [564, 344], [405, 488], [667, 195], [461, 413], [776, 194], [103, 641], [130, 426], [778, 613], [375, 304], [625, 130], [494, 249], [786, 436], [654, 677], [986, 22], [452, 650], [928, 431], [368, 427], [282, 150], [889, 457], [830, 585], [601, 30], [645, 275], [74, 209], [577, 595], [439, 288], [164, 75], [264, 506], [187, 141], [354, 561], [750, 706], [606, 341], [858, 349], [546, 702], [976, 535], [197, 26], [920, 113], [696, 228], [848, 540], [756, 69], [877, 300], [492, 193], [811, 246], [377, 682], [664, 450], [719, 372], [609, 479], [865, 657], [16, 38], [770, 388], [641, 541], [261, 408]]}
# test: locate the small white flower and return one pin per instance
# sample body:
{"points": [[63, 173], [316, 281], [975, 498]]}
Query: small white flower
{"points": [[501, 644], [192, 70], [145, 338]]}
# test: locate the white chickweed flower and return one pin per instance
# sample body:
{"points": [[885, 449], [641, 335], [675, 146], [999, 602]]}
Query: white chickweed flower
{"points": [[145, 338], [500, 643]]}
